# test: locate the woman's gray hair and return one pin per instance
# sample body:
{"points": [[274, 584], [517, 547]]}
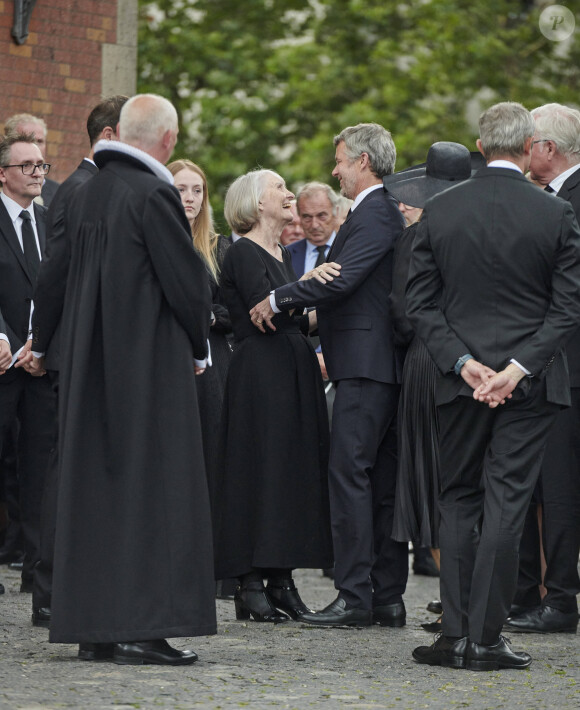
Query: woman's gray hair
{"points": [[504, 128], [375, 141], [560, 124], [145, 118], [241, 206]]}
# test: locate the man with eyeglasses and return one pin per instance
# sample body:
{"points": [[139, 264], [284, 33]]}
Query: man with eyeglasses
{"points": [[24, 399], [555, 165], [24, 123]]}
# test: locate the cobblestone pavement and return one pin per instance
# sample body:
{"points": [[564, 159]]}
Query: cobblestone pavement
{"points": [[287, 666]]}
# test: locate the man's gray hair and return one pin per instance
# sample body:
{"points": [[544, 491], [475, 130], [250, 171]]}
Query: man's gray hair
{"points": [[560, 124], [241, 206], [504, 128], [312, 188], [375, 141], [145, 118], [12, 125]]}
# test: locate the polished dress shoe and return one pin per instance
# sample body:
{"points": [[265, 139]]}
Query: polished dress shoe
{"points": [[41, 617], [284, 596], [252, 600], [17, 565], [544, 620], [425, 566], [338, 614], [492, 658], [159, 652], [394, 615], [447, 651], [435, 606], [96, 651], [8, 555]]}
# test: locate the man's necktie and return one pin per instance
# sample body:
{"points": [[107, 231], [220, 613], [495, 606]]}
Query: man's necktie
{"points": [[29, 245], [549, 189], [321, 258]]}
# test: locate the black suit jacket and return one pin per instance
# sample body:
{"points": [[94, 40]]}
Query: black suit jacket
{"points": [[16, 284], [354, 323], [495, 272], [49, 292], [570, 191]]}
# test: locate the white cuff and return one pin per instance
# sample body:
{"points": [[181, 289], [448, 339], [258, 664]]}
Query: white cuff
{"points": [[273, 305], [522, 368]]}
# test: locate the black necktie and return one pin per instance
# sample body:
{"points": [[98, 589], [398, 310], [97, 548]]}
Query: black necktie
{"points": [[321, 258], [29, 245], [549, 189]]}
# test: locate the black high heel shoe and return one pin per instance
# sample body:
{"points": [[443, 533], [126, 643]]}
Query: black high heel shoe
{"points": [[252, 600], [284, 595]]}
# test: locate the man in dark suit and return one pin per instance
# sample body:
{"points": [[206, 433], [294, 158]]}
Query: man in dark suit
{"points": [[494, 292], [317, 205], [48, 301], [555, 164], [24, 398], [356, 335]]}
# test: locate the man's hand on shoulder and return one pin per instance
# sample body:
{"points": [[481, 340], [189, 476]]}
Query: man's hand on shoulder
{"points": [[262, 313]]}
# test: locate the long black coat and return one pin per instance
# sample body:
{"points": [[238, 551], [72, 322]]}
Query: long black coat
{"points": [[133, 552]]}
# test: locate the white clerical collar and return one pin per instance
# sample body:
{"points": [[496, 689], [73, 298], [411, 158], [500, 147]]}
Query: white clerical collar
{"points": [[152, 163], [504, 164], [361, 195]]}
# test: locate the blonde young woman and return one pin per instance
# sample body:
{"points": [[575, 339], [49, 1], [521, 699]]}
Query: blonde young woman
{"points": [[191, 182]]}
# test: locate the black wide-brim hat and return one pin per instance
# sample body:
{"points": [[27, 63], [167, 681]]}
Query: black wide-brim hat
{"points": [[447, 164]]}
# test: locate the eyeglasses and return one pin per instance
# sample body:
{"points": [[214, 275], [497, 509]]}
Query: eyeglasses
{"points": [[29, 168], [542, 140]]}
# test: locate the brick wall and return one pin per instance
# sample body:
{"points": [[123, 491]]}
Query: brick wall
{"points": [[57, 74]]}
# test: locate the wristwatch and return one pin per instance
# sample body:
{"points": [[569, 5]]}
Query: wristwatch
{"points": [[461, 362]]}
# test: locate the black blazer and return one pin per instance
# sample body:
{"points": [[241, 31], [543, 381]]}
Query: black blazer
{"points": [[570, 191], [495, 272], [354, 323], [16, 284], [49, 292]]}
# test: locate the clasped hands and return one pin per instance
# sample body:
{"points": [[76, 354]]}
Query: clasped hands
{"points": [[33, 365], [489, 386], [262, 312]]}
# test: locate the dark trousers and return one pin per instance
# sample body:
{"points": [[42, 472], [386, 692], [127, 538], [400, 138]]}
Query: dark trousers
{"points": [[370, 567], [42, 581], [558, 491], [30, 401], [490, 461], [9, 495]]}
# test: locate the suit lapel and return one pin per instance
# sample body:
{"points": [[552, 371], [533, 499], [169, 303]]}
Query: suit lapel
{"points": [[40, 216], [569, 184], [11, 238]]}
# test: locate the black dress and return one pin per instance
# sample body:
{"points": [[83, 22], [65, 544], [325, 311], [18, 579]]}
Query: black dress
{"points": [[416, 504], [271, 504], [211, 385]]}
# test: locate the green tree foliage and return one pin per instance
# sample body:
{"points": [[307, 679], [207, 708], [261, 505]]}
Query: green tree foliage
{"points": [[270, 82]]}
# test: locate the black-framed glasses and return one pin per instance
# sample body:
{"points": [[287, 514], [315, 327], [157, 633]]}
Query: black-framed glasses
{"points": [[541, 140], [30, 168]]}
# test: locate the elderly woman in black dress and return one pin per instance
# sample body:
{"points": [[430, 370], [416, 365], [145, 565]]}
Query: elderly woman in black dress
{"points": [[271, 511]]}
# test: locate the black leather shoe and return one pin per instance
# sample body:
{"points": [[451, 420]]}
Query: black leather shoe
{"points": [[17, 565], [338, 614], [433, 627], [7, 555], [394, 615], [425, 566], [41, 617], [492, 658], [435, 607], [284, 596], [160, 653], [96, 651], [544, 620], [447, 651], [253, 601], [518, 610]]}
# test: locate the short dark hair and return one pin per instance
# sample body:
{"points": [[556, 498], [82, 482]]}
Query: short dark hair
{"points": [[105, 114], [6, 143]]}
